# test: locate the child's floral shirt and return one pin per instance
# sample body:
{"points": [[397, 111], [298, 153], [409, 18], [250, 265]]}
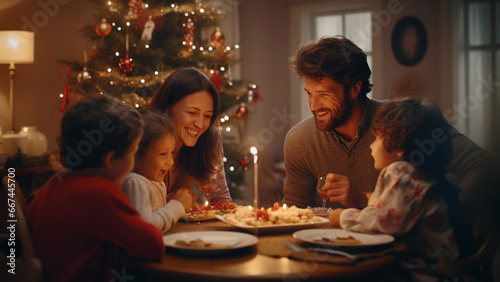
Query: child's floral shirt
{"points": [[408, 205]]}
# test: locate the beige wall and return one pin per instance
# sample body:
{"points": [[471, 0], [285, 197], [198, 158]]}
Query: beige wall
{"points": [[36, 88]]}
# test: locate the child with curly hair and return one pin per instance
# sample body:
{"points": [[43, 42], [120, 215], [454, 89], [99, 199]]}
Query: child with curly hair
{"points": [[412, 199]]}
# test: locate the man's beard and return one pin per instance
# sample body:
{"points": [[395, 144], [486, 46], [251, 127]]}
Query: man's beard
{"points": [[345, 111]]}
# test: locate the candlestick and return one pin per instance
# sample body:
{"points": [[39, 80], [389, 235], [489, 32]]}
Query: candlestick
{"points": [[253, 150]]}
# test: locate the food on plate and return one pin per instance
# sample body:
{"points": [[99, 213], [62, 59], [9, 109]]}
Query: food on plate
{"points": [[198, 243], [270, 216], [198, 213], [340, 240]]}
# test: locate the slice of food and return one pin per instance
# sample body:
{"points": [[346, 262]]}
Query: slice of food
{"points": [[349, 240], [198, 243], [198, 213]]}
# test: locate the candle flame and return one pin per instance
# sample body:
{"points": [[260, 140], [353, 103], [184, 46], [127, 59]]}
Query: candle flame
{"points": [[284, 206], [250, 207], [253, 150], [206, 203]]}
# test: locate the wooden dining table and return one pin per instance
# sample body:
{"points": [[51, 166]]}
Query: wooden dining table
{"points": [[269, 260]]}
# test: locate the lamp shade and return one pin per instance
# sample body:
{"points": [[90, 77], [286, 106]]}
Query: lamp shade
{"points": [[17, 47]]}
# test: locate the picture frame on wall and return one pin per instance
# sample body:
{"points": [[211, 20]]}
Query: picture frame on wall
{"points": [[409, 41]]}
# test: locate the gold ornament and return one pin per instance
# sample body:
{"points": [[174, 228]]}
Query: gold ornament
{"points": [[217, 40], [103, 28]]}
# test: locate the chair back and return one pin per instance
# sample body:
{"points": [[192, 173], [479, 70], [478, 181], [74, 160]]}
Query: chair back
{"points": [[483, 208], [27, 267]]}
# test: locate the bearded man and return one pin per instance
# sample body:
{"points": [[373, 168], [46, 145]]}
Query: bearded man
{"points": [[336, 140]]}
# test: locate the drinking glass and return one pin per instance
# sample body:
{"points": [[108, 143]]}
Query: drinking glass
{"points": [[208, 186], [321, 192]]}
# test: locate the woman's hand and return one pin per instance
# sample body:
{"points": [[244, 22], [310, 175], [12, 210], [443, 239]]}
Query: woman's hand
{"points": [[335, 218]]}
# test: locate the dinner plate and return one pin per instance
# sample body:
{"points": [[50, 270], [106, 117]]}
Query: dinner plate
{"points": [[315, 236], [233, 241], [278, 227]]}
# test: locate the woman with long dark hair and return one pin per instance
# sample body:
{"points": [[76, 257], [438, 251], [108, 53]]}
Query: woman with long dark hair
{"points": [[191, 102]]}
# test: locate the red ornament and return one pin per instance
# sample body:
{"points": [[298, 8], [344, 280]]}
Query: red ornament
{"points": [[216, 79], [253, 93], [242, 111], [66, 92], [244, 162], [188, 30], [103, 28], [135, 8], [126, 64]]}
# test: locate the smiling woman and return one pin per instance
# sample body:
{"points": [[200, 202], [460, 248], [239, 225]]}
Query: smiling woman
{"points": [[191, 102]]}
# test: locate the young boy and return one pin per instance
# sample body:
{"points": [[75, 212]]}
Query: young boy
{"points": [[80, 218], [412, 199]]}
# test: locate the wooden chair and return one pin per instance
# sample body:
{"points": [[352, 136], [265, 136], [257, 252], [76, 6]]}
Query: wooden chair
{"points": [[482, 206], [482, 259], [28, 266]]}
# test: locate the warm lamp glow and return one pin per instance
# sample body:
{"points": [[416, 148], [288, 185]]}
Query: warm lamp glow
{"points": [[17, 47]]}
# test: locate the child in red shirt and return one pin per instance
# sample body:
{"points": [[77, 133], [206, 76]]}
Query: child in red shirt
{"points": [[79, 218]]}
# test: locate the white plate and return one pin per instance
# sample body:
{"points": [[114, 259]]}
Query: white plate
{"points": [[367, 240], [278, 227], [235, 240]]}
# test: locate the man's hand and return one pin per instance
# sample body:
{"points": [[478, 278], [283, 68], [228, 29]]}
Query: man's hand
{"points": [[340, 189]]}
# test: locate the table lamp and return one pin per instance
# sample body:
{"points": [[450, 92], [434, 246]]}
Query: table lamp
{"points": [[16, 47]]}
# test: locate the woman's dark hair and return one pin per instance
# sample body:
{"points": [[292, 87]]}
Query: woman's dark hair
{"points": [[206, 155], [418, 128], [156, 125], [337, 58], [94, 126]]}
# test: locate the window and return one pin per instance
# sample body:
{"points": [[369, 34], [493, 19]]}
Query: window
{"points": [[481, 60], [355, 26]]}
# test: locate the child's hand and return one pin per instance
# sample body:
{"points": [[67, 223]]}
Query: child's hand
{"points": [[184, 197], [335, 218]]}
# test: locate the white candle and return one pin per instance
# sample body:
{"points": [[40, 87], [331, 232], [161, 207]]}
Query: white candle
{"points": [[253, 150]]}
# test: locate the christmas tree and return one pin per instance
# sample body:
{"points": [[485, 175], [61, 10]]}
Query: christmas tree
{"points": [[135, 45]]}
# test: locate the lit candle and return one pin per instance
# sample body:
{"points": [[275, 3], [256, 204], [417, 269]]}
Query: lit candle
{"points": [[253, 150]]}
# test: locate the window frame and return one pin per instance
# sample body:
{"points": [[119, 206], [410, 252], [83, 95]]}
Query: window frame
{"points": [[464, 109]]}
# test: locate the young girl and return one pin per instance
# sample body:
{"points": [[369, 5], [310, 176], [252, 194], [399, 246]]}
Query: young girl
{"points": [[412, 196], [144, 186]]}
